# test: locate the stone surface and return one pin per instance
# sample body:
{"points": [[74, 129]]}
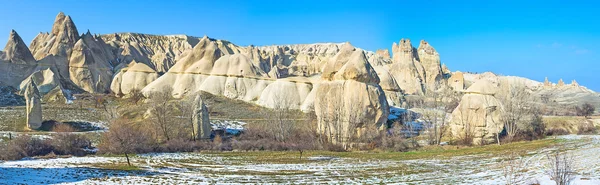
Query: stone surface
{"points": [[457, 81], [16, 61], [478, 113], [33, 106], [430, 59], [406, 69], [201, 119], [348, 102], [135, 76]]}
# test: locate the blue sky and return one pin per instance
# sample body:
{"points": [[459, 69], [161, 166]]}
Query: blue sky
{"points": [[534, 39]]}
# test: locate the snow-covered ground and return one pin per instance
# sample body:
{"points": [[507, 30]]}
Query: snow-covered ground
{"points": [[199, 168]]}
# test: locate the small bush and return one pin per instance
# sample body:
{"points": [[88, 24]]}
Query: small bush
{"points": [[24, 146], [71, 144], [556, 131]]}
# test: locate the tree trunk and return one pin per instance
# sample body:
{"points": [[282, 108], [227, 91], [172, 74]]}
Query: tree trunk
{"points": [[127, 157]]}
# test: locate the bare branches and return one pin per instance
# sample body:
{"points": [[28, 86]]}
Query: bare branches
{"points": [[560, 167]]}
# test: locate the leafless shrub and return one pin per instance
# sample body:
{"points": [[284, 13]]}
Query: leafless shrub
{"points": [[125, 138], [24, 146], [513, 168], [560, 167], [70, 144], [61, 127], [135, 96]]}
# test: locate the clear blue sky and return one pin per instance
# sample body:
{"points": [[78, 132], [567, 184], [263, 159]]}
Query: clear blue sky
{"points": [[534, 39]]}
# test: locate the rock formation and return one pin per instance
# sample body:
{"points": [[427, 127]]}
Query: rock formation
{"points": [[547, 83], [16, 51], [406, 69], [158, 52], [560, 83], [457, 81], [430, 59], [16, 61], [350, 99], [135, 76], [33, 106], [574, 83], [59, 41], [45, 81], [478, 113], [200, 119], [383, 53]]}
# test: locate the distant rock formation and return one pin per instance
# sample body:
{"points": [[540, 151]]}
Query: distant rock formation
{"points": [[33, 106], [574, 83], [478, 113], [201, 119], [547, 83], [385, 53], [457, 81], [560, 83], [350, 100]]}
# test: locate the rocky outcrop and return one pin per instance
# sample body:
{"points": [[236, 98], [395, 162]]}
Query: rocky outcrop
{"points": [[45, 81], [383, 53], [457, 81], [478, 113], [90, 64], [59, 41], [574, 83], [350, 99], [200, 119], [84, 61], [406, 69], [393, 92], [16, 61], [547, 83], [135, 76], [560, 83], [33, 106], [430, 59], [16, 51], [157, 51]]}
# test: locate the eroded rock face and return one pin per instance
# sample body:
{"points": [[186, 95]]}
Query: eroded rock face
{"points": [[59, 41], [406, 68], [45, 81], [430, 59], [351, 100], [200, 119], [478, 113], [33, 106], [157, 51], [457, 81], [135, 76], [16, 61]]}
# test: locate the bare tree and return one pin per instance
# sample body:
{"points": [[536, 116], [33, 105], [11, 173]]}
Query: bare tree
{"points": [[438, 104], [586, 110], [517, 108], [186, 113], [124, 138], [161, 111], [560, 167]]}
